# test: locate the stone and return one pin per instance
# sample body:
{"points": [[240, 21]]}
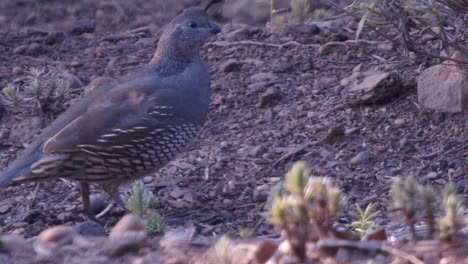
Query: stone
{"points": [[17, 71], [432, 175], [230, 65], [128, 223], [56, 234], [262, 77], [13, 244], [97, 203], [258, 151], [375, 87], [270, 95], [90, 228], [399, 122], [83, 26], [73, 82], [334, 134], [360, 158], [444, 87], [65, 216], [34, 49], [128, 236]]}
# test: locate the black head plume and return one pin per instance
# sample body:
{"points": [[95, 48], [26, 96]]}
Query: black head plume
{"points": [[212, 2]]}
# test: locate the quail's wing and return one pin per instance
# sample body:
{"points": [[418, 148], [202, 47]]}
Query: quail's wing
{"points": [[131, 123]]}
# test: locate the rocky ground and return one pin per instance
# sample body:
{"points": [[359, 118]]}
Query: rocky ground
{"points": [[277, 98]]}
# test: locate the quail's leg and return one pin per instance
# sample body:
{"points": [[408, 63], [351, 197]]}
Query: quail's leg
{"points": [[84, 187]]}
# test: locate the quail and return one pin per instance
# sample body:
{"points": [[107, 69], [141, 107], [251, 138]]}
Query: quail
{"points": [[125, 131]]}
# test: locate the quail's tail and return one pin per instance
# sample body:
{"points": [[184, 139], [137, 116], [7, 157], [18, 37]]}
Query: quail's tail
{"points": [[18, 168]]}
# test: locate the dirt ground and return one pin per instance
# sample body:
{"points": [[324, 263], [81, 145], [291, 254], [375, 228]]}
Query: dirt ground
{"points": [[251, 139]]}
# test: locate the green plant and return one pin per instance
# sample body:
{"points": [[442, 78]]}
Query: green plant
{"points": [[404, 200], [41, 91], [307, 210], [365, 222], [428, 201], [155, 223], [224, 250], [246, 233], [453, 218], [11, 96], [139, 201], [300, 9]]}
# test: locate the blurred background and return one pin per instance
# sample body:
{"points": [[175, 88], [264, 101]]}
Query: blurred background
{"points": [[60, 15]]}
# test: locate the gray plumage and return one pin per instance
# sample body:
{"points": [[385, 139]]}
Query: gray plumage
{"points": [[123, 132]]}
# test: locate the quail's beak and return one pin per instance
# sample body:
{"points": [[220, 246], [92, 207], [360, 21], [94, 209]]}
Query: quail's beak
{"points": [[214, 29]]}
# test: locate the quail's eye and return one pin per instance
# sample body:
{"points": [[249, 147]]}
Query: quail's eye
{"points": [[192, 24]]}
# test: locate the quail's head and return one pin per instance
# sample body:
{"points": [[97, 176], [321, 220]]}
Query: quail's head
{"points": [[188, 31]]}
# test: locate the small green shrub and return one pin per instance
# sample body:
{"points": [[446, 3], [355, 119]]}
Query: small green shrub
{"points": [[139, 201]]}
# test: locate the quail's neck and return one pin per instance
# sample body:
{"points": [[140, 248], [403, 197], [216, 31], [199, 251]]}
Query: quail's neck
{"points": [[170, 59]]}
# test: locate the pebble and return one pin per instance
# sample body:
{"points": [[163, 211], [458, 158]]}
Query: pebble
{"points": [[258, 151], [34, 49], [90, 228], [229, 66], [97, 203], [57, 234], [65, 216], [128, 223], [360, 158], [17, 71], [73, 82], [13, 244], [269, 96], [432, 175], [263, 77], [399, 122]]}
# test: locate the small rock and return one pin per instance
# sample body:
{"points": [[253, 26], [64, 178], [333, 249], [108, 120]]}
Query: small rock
{"points": [[20, 49], [34, 49], [97, 203], [269, 96], [129, 242], [279, 67], [90, 228], [73, 82], [53, 38], [260, 196], [258, 151], [263, 77], [444, 87], [399, 122], [83, 26], [230, 65], [4, 208], [57, 234], [334, 134], [360, 158], [257, 86], [13, 244], [375, 87], [17, 71], [351, 131], [65, 216], [432, 175], [177, 193], [192, 197], [129, 223]]}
